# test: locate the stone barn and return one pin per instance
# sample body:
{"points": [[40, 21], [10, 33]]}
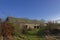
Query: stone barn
{"points": [[32, 26], [27, 23]]}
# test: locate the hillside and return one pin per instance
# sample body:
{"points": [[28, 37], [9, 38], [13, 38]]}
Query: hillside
{"points": [[24, 20]]}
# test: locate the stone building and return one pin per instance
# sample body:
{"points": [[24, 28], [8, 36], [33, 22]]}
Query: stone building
{"points": [[32, 26], [25, 22]]}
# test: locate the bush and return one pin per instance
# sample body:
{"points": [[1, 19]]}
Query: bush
{"points": [[41, 32], [8, 29]]}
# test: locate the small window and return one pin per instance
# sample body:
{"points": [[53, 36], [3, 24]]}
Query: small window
{"points": [[25, 26], [37, 26], [34, 26]]}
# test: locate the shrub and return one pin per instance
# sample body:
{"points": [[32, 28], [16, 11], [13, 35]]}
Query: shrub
{"points": [[7, 29], [41, 32]]}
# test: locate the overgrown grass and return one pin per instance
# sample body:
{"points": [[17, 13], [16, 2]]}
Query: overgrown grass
{"points": [[35, 34], [31, 35]]}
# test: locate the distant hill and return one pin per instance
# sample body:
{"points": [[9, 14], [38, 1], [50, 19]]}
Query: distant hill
{"points": [[23, 20]]}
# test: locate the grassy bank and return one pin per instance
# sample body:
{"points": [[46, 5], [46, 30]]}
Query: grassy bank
{"points": [[36, 34]]}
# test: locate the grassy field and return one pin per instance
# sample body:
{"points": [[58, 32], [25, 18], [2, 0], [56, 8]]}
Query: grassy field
{"points": [[30, 35]]}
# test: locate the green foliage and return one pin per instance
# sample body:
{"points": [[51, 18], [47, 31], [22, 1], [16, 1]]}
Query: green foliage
{"points": [[24, 31], [37, 32], [16, 29], [41, 32], [33, 32]]}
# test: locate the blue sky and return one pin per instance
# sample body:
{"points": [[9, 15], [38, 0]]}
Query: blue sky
{"points": [[33, 9]]}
